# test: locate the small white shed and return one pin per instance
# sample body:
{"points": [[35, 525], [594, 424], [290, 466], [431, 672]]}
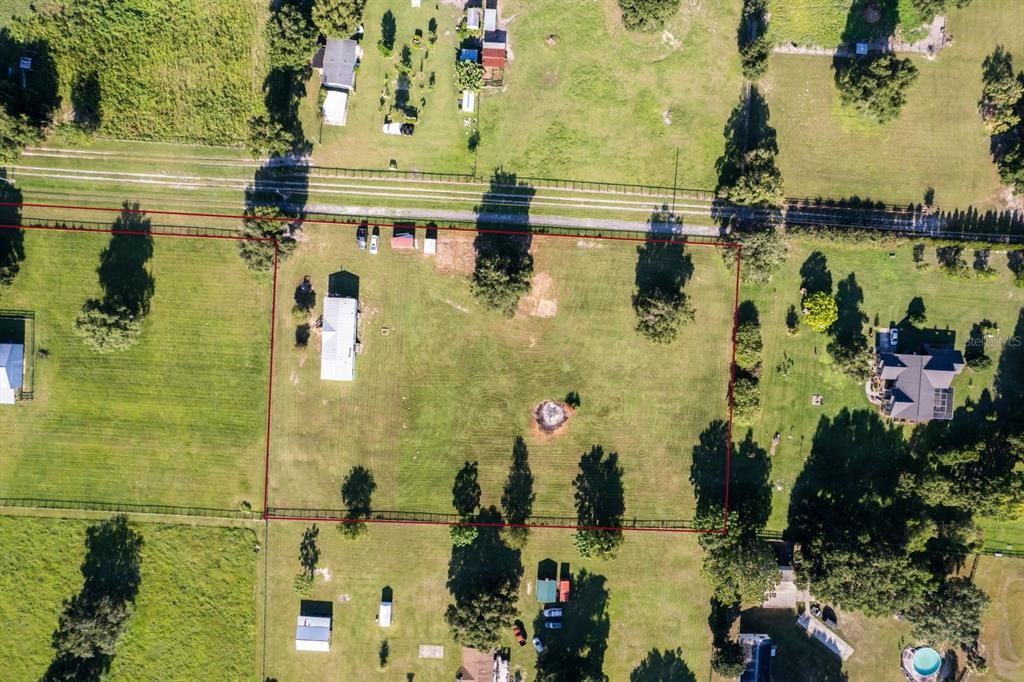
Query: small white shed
{"points": [[336, 108], [384, 615], [473, 18], [468, 101]]}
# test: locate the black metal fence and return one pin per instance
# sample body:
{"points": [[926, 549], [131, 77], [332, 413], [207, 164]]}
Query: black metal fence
{"points": [[97, 226], [126, 508], [441, 518]]}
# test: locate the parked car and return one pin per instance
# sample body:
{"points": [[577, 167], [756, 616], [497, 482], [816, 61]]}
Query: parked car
{"points": [[520, 635], [374, 241], [538, 645], [553, 613], [553, 624], [361, 233], [399, 128]]}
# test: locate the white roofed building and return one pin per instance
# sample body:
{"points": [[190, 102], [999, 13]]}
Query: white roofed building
{"points": [[339, 339], [12, 370], [313, 633]]}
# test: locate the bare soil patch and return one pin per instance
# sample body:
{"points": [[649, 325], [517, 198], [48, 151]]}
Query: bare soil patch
{"points": [[541, 301], [455, 254]]}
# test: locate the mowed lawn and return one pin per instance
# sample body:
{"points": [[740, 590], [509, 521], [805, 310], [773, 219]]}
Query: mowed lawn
{"points": [[939, 140], [888, 286], [178, 419], [451, 383], [829, 23], [1002, 628], [440, 142], [653, 596], [195, 615], [584, 98]]}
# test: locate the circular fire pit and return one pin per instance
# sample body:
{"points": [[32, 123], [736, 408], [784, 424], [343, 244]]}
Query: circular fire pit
{"points": [[551, 415]]}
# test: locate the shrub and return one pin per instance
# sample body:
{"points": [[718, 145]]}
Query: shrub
{"points": [[268, 137], [952, 262], [303, 584], [821, 311], [468, 75], [746, 398], [646, 15], [875, 86], [727, 659], [463, 536], [748, 345], [16, 132], [108, 327]]}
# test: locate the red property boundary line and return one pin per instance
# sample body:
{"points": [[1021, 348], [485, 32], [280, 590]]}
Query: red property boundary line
{"points": [[266, 476]]}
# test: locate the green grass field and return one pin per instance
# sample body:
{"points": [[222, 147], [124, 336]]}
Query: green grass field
{"points": [[178, 419], [1002, 631], [888, 286], [648, 606], [452, 383], [182, 71], [591, 105], [440, 141], [939, 141], [829, 23], [195, 616]]}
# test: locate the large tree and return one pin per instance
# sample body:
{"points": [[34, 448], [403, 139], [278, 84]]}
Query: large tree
{"points": [[661, 314], [16, 132], [763, 251], [600, 503], [739, 566], [500, 280], [950, 614], [338, 18], [266, 229], [876, 86], [1001, 93], [291, 38], [759, 182], [108, 327]]}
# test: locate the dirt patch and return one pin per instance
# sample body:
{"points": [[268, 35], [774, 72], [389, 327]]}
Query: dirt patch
{"points": [[460, 308], [541, 301], [551, 40], [324, 573], [455, 254], [670, 40]]}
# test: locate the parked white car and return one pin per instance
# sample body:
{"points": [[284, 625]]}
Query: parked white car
{"points": [[374, 241]]}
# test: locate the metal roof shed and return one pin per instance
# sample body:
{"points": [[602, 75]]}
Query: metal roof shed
{"points": [[468, 101], [313, 634], [338, 339], [490, 19], [12, 370], [384, 614], [547, 591], [473, 18]]}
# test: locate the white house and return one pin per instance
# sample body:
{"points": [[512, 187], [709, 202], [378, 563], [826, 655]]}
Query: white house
{"points": [[338, 339], [313, 633], [338, 64], [12, 369]]}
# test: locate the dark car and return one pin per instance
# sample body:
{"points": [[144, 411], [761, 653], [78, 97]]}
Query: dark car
{"points": [[361, 233], [408, 128], [553, 624], [520, 635]]}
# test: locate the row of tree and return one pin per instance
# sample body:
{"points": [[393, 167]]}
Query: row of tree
{"points": [[1002, 107], [746, 391]]}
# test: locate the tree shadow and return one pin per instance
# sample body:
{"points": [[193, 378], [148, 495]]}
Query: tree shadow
{"points": [[1009, 382], [92, 621], [870, 20], [815, 275], [33, 93], [849, 346], [12, 237], [86, 101], [388, 30], [283, 90], [799, 658], [750, 495], [123, 274], [518, 496], [357, 492], [283, 183], [747, 313], [917, 311], [846, 494], [504, 264], [600, 495], [661, 266], [309, 550], [576, 651], [466, 490]]}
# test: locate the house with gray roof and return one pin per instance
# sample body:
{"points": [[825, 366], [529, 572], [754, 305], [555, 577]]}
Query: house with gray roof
{"points": [[338, 61], [919, 387]]}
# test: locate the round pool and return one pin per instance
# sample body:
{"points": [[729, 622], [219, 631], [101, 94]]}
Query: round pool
{"points": [[927, 661]]}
